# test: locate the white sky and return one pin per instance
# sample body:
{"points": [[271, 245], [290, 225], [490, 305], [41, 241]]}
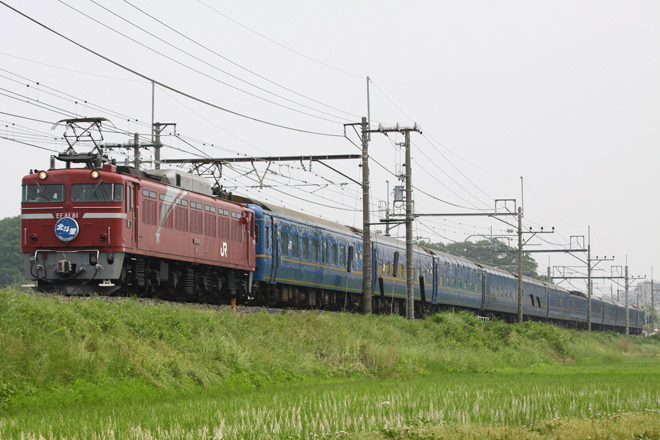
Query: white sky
{"points": [[563, 93]]}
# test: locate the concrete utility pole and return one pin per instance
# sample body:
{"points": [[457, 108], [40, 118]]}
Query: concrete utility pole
{"points": [[410, 269], [652, 304], [387, 211], [589, 278], [157, 128], [627, 310], [366, 236], [628, 282], [136, 150], [521, 244], [410, 283], [520, 271]]}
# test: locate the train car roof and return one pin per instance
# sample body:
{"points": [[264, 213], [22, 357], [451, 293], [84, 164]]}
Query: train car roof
{"points": [[398, 243], [307, 219]]}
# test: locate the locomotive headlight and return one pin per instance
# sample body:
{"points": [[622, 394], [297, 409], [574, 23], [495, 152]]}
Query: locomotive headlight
{"points": [[43, 175], [94, 174]]}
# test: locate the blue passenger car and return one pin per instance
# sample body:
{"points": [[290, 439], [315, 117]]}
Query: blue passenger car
{"points": [[390, 273], [306, 261], [459, 282], [302, 256], [501, 291], [535, 302]]}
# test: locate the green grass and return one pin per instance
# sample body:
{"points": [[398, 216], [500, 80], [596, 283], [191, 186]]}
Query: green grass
{"points": [[532, 403], [91, 368]]}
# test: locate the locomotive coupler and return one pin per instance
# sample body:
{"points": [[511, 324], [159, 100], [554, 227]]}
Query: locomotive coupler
{"points": [[64, 267]]}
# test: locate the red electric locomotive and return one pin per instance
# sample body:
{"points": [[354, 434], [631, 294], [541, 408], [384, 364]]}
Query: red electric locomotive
{"points": [[100, 229]]}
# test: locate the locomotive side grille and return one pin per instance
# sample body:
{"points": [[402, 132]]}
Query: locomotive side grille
{"points": [[189, 281], [140, 272]]}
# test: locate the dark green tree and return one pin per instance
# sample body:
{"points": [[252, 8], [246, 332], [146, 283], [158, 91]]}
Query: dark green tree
{"points": [[11, 258]]}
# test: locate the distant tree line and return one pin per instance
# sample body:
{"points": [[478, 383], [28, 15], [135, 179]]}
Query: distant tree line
{"points": [[11, 258], [490, 252]]}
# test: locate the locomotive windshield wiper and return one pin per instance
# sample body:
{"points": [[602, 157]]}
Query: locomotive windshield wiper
{"points": [[41, 193], [104, 192], [97, 186]]}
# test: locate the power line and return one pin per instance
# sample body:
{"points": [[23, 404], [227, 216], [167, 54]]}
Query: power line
{"points": [[202, 61], [65, 69], [281, 45], [48, 107], [25, 117], [165, 85], [213, 123], [28, 144], [65, 96], [236, 64], [456, 168], [443, 156]]}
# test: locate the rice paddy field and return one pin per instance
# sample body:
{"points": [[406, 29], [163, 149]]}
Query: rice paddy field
{"points": [[93, 369]]}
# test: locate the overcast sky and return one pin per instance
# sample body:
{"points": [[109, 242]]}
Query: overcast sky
{"points": [[565, 94]]}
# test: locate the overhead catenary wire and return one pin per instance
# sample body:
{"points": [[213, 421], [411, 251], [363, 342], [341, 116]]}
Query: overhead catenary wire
{"points": [[418, 164], [281, 45], [125, 132], [54, 109], [203, 62], [236, 64], [68, 70], [29, 144], [329, 184], [173, 89], [65, 96], [201, 116], [429, 140], [26, 117]]}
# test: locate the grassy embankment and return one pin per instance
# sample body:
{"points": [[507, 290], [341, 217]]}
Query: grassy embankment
{"points": [[91, 368]]}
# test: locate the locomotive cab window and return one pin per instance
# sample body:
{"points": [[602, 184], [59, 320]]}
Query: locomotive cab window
{"points": [[97, 192], [41, 193]]}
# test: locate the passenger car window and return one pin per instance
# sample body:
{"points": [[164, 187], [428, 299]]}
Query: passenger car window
{"points": [[305, 248], [315, 250], [294, 246], [284, 238]]}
